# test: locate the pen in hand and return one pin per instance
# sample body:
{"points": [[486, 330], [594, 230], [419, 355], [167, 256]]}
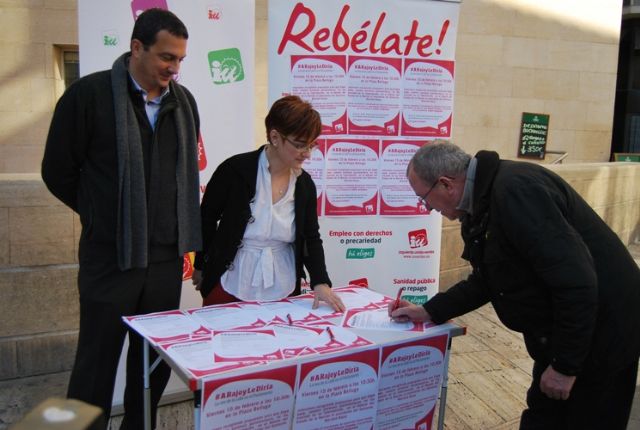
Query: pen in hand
{"points": [[396, 303]]}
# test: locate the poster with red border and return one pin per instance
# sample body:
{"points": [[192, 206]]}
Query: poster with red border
{"points": [[197, 358], [410, 381], [351, 178], [340, 339], [298, 340], [374, 94], [245, 345], [226, 317], [168, 326], [259, 400], [427, 98], [338, 392], [378, 319], [322, 80], [286, 313], [396, 195], [314, 166], [352, 297], [394, 247]]}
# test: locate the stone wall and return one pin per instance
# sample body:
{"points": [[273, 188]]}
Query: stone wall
{"points": [[544, 56], [38, 310], [34, 32]]}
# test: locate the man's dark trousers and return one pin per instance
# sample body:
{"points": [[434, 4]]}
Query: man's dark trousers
{"points": [[107, 294], [599, 400]]}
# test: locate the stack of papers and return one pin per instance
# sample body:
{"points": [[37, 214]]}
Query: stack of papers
{"points": [[219, 338]]}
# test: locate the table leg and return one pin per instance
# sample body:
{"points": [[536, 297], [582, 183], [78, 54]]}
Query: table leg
{"points": [[147, 388], [443, 390], [197, 399]]}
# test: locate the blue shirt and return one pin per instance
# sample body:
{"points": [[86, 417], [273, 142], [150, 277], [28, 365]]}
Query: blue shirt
{"points": [[151, 107]]}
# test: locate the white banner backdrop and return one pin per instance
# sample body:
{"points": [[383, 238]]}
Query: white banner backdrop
{"points": [[218, 70], [381, 74]]}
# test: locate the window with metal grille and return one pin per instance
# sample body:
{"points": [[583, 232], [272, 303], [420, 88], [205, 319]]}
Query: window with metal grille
{"points": [[70, 66]]}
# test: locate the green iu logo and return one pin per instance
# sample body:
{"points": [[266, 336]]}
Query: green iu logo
{"points": [[226, 66], [109, 39]]}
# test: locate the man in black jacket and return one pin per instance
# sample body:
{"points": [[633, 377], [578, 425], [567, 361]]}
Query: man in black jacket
{"points": [[122, 153], [553, 271]]}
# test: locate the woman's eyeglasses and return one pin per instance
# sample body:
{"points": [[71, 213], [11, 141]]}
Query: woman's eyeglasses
{"points": [[300, 146]]}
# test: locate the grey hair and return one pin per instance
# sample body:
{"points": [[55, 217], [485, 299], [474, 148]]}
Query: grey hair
{"points": [[440, 158]]}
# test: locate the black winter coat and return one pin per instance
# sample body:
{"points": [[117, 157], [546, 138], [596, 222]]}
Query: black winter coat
{"points": [[226, 212], [550, 266], [80, 164]]}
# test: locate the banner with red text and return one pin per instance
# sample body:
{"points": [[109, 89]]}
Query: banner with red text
{"points": [[410, 382], [381, 74], [392, 387], [218, 70], [259, 400]]}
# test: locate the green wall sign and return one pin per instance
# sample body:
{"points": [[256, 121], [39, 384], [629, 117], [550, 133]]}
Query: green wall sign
{"points": [[533, 135], [626, 156]]}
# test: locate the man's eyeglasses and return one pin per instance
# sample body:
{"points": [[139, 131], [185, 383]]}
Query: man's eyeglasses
{"points": [[423, 199], [300, 146]]}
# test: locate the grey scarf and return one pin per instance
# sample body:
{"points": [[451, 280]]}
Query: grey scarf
{"points": [[132, 231]]}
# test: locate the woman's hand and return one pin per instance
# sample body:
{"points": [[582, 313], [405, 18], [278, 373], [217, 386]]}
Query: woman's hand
{"points": [[196, 278], [325, 293]]}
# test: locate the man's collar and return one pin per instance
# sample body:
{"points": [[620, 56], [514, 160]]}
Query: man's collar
{"points": [[466, 201], [144, 92]]}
